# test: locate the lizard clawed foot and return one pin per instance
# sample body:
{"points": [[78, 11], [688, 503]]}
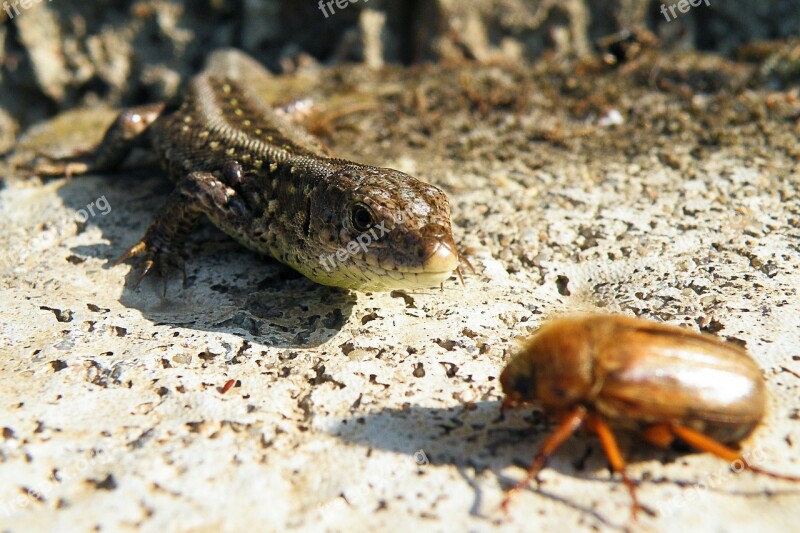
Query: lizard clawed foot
{"points": [[164, 240], [156, 256], [46, 166]]}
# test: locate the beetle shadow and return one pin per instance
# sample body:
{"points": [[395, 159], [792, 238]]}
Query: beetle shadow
{"points": [[228, 288], [479, 438]]}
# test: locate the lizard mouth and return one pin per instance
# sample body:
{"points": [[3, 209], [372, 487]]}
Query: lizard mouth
{"points": [[439, 257], [440, 260], [360, 275], [434, 260]]}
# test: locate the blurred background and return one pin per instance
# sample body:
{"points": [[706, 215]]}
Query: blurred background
{"points": [[57, 54]]}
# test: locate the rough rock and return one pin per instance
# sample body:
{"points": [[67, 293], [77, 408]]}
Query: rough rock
{"points": [[666, 187]]}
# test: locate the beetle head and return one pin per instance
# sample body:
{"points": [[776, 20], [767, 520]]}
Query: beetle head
{"points": [[553, 369]]}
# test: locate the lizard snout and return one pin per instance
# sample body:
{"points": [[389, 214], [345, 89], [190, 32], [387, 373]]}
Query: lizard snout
{"points": [[438, 252]]}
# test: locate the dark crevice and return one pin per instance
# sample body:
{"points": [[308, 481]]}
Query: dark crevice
{"points": [[408, 30]]}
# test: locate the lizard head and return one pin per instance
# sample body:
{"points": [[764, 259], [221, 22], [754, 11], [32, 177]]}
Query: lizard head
{"points": [[380, 229]]}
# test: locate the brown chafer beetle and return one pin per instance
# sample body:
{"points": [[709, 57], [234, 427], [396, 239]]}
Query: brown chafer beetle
{"points": [[665, 382]]}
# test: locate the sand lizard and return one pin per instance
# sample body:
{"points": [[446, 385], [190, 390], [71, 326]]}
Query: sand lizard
{"points": [[273, 188]]}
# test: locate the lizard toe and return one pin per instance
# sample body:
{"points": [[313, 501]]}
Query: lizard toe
{"points": [[156, 257]]}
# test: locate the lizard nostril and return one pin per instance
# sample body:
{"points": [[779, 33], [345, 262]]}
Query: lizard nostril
{"points": [[435, 231]]}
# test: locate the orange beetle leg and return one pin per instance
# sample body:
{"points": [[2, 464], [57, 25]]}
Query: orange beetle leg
{"points": [[609, 443], [660, 435], [707, 444], [568, 426]]}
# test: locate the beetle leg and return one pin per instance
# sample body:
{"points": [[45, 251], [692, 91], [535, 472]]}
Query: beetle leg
{"points": [[707, 444], [614, 455], [660, 435], [704, 443], [568, 426]]}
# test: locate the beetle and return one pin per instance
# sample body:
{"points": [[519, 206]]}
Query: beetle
{"points": [[666, 382]]}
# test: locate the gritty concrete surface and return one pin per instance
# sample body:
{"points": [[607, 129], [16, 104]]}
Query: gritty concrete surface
{"points": [[666, 188]]}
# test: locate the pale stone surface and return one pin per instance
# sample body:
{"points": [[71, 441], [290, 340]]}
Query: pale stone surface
{"points": [[381, 411]]}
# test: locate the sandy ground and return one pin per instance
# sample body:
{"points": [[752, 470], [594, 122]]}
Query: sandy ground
{"points": [[667, 188]]}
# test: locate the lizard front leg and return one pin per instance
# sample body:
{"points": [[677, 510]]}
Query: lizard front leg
{"points": [[126, 132], [200, 193]]}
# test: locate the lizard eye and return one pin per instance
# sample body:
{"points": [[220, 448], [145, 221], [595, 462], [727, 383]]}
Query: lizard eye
{"points": [[361, 217]]}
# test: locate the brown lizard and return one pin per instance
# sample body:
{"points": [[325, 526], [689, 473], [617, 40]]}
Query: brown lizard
{"points": [[274, 189]]}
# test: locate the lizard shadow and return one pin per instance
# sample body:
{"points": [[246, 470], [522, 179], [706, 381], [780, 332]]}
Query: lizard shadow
{"points": [[228, 288], [478, 438]]}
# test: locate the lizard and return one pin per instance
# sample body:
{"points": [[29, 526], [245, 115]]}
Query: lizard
{"points": [[274, 188]]}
